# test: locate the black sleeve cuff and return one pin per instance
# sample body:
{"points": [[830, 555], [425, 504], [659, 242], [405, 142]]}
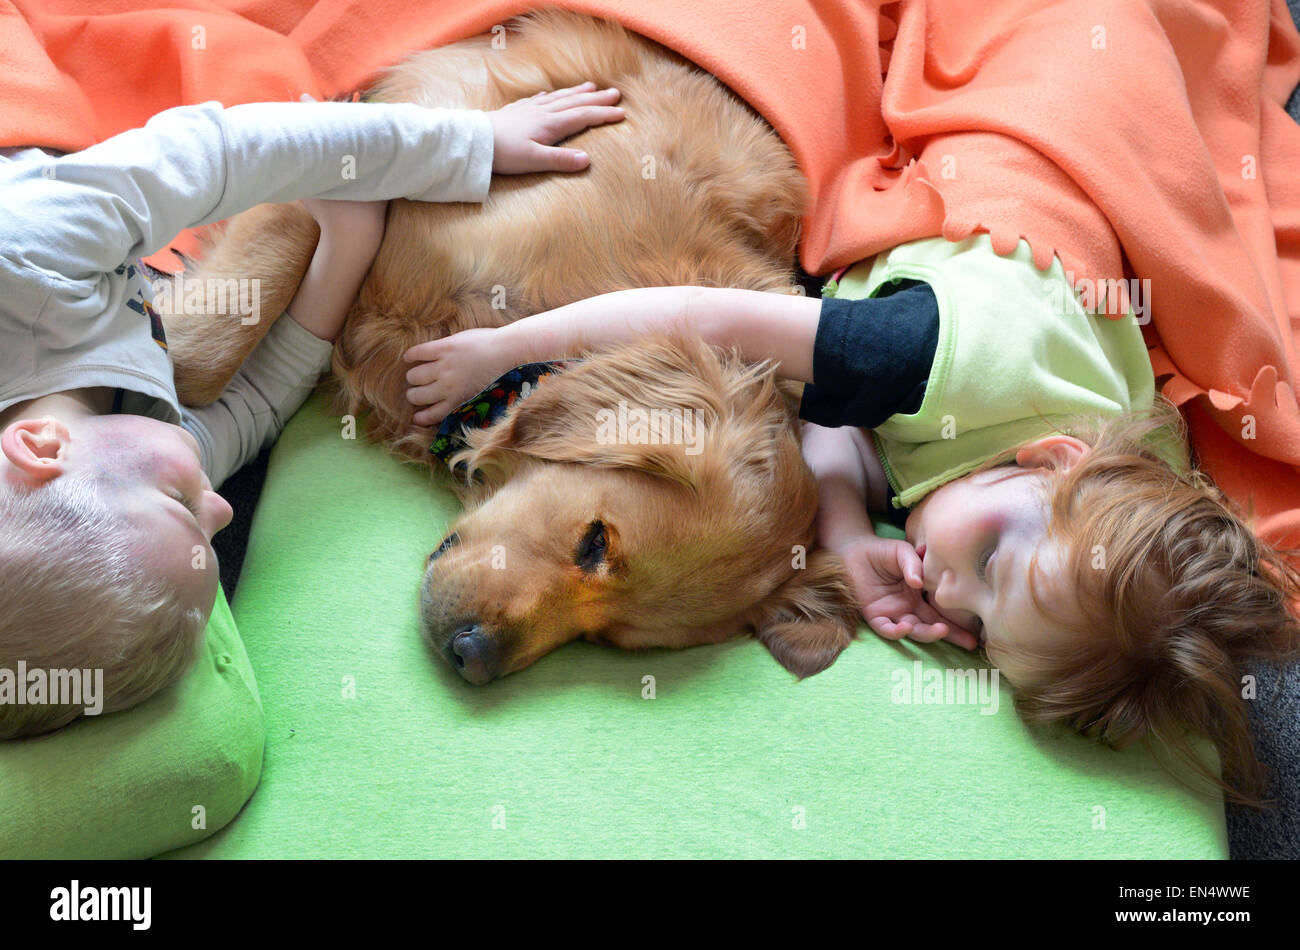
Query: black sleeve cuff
{"points": [[872, 357]]}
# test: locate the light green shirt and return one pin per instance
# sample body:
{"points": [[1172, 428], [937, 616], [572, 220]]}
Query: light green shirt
{"points": [[1016, 352]]}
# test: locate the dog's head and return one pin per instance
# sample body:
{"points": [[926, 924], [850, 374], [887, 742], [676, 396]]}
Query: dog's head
{"points": [[653, 495]]}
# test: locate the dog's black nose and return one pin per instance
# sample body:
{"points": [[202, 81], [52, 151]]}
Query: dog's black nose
{"points": [[473, 654]]}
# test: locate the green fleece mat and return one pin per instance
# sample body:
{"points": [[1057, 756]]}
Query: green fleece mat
{"points": [[376, 749]]}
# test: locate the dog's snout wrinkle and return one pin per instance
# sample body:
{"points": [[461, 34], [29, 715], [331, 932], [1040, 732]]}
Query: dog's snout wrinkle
{"points": [[451, 539]]}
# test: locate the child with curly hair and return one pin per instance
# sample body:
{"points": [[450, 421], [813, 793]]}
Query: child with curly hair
{"points": [[1050, 512]]}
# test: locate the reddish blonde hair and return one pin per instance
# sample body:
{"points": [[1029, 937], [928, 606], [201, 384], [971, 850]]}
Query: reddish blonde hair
{"points": [[1175, 592]]}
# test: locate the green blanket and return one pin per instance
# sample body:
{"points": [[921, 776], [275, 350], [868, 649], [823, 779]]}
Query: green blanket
{"points": [[376, 749]]}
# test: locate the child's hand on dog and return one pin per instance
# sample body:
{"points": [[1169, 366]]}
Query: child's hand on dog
{"points": [[525, 132], [887, 581], [452, 370]]}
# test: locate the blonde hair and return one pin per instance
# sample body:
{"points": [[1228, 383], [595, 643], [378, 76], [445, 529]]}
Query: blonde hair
{"points": [[1176, 592], [74, 594]]}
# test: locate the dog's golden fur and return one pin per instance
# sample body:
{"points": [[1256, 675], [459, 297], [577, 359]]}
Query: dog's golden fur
{"points": [[692, 188], [701, 546]]}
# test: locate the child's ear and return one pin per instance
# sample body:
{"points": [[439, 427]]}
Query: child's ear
{"points": [[34, 447], [1057, 452]]}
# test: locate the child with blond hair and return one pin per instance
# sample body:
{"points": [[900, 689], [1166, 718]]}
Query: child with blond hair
{"points": [[107, 485]]}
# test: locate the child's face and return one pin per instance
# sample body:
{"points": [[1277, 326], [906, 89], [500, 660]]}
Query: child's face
{"points": [[976, 535], [146, 469]]}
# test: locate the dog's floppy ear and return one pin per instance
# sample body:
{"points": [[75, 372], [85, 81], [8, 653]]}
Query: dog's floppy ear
{"points": [[808, 621], [573, 416]]}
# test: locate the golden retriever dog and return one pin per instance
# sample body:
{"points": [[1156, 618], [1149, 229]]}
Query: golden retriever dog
{"points": [[659, 542], [639, 545]]}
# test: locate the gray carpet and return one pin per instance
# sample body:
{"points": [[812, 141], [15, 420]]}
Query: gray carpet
{"points": [[1275, 715]]}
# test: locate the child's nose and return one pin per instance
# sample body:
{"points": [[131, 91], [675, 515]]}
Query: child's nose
{"points": [[219, 513], [945, 588]]}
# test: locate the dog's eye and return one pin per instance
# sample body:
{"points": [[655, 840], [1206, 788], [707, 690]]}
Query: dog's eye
{"points": [[591, 550], [446, 543]]}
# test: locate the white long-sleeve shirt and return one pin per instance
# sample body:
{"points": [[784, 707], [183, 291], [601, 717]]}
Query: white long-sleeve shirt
{"points": [[75, 309]]}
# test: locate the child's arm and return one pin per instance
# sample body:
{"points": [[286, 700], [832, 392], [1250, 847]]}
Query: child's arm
{"points": [[350, 235], [850, 488], [869, 358], [81, 215], [70, 227], [285, 366], [761, 325], [86, 213]]}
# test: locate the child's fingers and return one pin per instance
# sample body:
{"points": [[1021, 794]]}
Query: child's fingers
{"points": [[890, 629], [424, 395], [547, 158], [568, 122], [545, 96], [423, 374], [967, 641], [910, 621], [942, 629], [422, 352], [910, 566], [604, 97], [929, 632]]}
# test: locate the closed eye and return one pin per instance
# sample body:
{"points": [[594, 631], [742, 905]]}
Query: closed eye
{"points": [[185, 500], [591, 549], [981, 569]]}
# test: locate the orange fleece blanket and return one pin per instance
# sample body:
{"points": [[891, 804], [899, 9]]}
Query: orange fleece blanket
{"points": [[1133, 138]]}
